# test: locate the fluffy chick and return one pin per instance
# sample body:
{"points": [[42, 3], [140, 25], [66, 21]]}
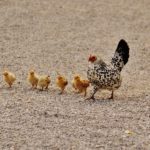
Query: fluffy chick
{"points": [[80, 84], [33, 79], [44, 82], [9, 78], [61, 82]]}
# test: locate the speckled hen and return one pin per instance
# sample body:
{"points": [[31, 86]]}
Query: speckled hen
{"points": [[103, 76]]}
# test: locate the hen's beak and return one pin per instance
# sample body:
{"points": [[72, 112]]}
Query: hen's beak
{"points": [[89, 58]]}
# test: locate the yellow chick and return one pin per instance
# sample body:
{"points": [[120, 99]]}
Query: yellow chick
{"points": [[9, 78], [44, 82], [80, 84], [61, 82], [33, 79]]}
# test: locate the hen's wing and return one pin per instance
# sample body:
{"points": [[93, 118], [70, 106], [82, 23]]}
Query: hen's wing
{"points": [[98, 71]]}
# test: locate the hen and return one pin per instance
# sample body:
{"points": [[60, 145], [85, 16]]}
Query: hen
{"points": [[103, 76]]}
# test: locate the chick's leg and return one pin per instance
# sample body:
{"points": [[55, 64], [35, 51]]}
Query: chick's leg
{"points": [[75, 89], [10, 85], [95, 89], [85, 93], [35, 86], [46, 88], [78, 91], [32, 87], [62, 90], [42, 88]]}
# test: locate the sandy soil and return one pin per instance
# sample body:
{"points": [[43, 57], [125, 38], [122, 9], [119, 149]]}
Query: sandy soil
{"points": [[59, 35]]}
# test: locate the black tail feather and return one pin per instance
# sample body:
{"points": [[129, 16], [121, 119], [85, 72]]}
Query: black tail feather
{"points": [[123, 50]]}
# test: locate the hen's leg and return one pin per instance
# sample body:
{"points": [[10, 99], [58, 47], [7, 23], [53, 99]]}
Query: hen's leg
{"points": [[112, 95], [95, 89]]}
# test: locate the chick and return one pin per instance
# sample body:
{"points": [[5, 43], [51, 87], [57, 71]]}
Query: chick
{"points": [[33, 79], [44, 82], [61, 82], [9, 78], [80, 85]]}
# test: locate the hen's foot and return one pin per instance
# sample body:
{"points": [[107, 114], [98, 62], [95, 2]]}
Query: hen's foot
{"points": [[89, 98], [111, 98]]}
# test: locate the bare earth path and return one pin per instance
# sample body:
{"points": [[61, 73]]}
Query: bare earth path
{"points": [[59, 35]]}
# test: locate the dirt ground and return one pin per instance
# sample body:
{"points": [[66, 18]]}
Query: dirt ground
{"points": [[59, 35]]}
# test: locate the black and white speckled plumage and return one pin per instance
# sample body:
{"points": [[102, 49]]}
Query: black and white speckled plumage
{"points": [[103, 76]]}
